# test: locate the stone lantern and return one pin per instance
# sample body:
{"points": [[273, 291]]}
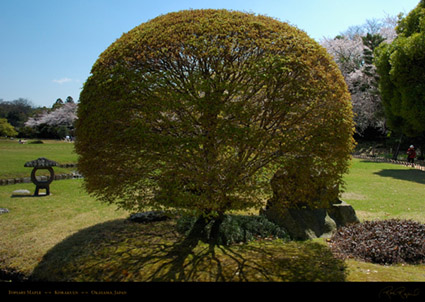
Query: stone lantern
{"points": [[41, 163]]}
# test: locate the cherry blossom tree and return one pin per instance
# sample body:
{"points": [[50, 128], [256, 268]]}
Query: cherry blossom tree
{"points": [[353, 52], [62, 116], [347, 52]]}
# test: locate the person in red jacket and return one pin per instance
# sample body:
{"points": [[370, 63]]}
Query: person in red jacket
{"points": [[411, 154]]}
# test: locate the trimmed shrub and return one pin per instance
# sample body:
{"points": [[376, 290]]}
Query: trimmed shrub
{"points": [[236, 228], [197, 110], [383, 242]]}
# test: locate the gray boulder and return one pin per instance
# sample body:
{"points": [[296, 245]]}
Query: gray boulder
{"points": [[343, 214], [21, 192], [305, 223], [3, 211]]}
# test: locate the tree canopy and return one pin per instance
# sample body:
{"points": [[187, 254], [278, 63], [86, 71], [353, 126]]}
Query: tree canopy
{"points": [[197, 110], [6, 129], [16, 112], [401, 67]]}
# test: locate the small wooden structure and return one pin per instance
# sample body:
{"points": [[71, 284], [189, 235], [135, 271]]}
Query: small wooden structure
{"points": [[42, 163]]}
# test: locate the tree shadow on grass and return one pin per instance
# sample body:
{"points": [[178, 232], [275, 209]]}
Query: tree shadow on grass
{"points": [[121, 251], [408, 175]]}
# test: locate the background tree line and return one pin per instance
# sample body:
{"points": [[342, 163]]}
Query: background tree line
{"points": [[20, 118], [383, 64]]}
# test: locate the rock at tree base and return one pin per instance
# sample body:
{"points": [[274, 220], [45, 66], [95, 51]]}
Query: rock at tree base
{"points": [[343, 214], [304, 223], [148, 216]]}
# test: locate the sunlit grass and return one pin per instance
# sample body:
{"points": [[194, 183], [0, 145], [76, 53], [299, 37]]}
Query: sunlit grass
{"points": [[36, 224], [13, 156], [383, 190]]}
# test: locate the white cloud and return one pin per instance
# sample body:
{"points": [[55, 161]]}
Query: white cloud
{"points": [[64, 80]]}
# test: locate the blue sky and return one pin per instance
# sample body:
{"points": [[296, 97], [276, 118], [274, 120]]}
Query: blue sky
{"points": [[47, 47]]}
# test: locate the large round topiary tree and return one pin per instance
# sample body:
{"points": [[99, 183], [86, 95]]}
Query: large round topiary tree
{"points": [[197, 110]]}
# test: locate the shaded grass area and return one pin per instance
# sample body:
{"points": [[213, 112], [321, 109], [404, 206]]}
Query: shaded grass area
{"points": [[13, 156], [69, 236], [121, 250]]}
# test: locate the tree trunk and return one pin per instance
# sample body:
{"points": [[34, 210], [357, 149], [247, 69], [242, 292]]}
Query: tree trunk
{"points": [[198, 231], [215, 230], [397, 149]]}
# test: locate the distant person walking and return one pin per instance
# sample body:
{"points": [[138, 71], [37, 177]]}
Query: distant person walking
{"points": [[411, 154]]}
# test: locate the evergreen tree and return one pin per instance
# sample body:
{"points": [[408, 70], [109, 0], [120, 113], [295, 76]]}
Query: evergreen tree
{"points": [[401, 67], [370, 43], [69, 99], [59, 103]]}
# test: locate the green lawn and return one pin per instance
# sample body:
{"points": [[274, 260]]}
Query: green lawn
{"points": [[383, 190], [71, 236], [15, 155]]}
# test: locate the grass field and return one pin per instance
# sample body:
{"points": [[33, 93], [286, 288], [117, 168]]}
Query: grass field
{"points": [[15, 155], [383, 190], [71, 236]]}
